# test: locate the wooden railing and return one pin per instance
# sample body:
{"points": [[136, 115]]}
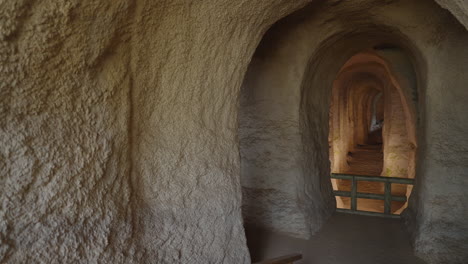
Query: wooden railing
{"points": [[289, 259], [387, 197]]}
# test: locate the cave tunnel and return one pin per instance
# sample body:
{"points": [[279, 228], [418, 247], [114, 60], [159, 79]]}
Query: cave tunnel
{"points": [[234, 131], [323, 98], [369, 129]]}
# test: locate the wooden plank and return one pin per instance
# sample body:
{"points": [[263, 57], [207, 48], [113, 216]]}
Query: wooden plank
{"points": [[282, 260], [342, 176], [357, 212], [385, 179], [388, 198], [372, 178], [374, 196], [342, 193]]}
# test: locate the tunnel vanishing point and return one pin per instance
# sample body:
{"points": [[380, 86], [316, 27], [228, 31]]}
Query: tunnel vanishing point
{"points": [[137, 131]]}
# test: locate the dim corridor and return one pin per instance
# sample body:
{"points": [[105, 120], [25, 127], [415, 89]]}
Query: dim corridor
{"points": [[344, 239]]}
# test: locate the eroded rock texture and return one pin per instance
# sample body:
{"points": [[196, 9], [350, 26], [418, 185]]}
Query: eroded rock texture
{"points": [[118, 125], [65, 186], [459, 8], [284, 190], [118, 129]]}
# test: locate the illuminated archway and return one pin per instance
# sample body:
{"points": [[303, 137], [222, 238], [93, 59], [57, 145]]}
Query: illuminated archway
{"points": [[354, 149]]}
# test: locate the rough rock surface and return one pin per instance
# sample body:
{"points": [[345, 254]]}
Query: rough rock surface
{"points": [[281, 187], [65, 186], [118, 127], [459, 8]]}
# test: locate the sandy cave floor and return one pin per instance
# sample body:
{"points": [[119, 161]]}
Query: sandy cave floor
{"points": [[344, 239]]}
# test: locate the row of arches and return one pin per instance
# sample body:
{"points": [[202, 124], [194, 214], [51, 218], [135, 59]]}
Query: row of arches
{"points": [[337, 79], [371, 129], [310, 100], [296, 130]]}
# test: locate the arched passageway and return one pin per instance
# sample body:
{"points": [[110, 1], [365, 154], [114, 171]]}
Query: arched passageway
{"points": [[285, 138], [366, 65], [118, 125], [371, 129]]}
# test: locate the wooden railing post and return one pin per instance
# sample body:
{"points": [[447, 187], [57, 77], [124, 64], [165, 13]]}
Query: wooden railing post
{"points": [[353, 194], [388, 198]]}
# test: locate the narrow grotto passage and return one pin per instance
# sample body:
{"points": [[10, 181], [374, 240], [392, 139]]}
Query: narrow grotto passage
{"points": [[344, 104], [159, 131], [369, 131]]}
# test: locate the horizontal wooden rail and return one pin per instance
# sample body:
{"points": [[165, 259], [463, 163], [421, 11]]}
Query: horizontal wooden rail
{"points": [[366, 213], [370, 196], [372, 178], [386, 197], [288, 259]]}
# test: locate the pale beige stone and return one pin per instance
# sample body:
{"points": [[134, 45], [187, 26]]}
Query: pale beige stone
{"points": [[118, 124]]}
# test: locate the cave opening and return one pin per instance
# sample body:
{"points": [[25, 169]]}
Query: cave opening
{"points": [[315, 104], [369, 131]]}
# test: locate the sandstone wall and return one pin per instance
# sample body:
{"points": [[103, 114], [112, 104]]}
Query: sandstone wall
{"points": [[440, 210], [459, 8], [64, 112], [188, 67], [118, 127], [278, 192]]}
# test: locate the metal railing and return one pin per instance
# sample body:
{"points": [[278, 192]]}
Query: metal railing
{"points": [[387, 197]]}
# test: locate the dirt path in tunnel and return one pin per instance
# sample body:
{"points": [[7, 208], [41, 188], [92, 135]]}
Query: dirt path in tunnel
{"points": [[344, 239], [368, 160]]}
